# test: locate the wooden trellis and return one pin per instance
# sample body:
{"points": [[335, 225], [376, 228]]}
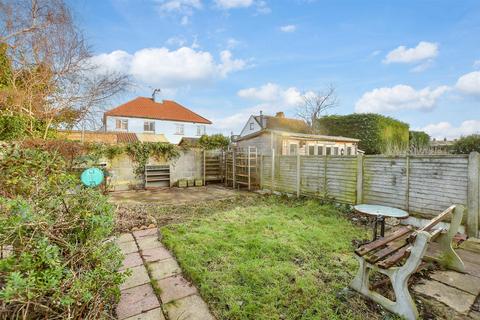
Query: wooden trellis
{"points": [[242, 168]]}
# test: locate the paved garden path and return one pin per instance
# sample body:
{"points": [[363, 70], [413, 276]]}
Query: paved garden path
{"points": [[156, 288]]}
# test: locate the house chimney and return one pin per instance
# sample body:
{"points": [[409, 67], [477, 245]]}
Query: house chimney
{"points": [[261, 118], [155, 91], [280, 115]]}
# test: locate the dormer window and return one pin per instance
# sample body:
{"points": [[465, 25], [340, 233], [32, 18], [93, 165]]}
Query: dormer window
{"points": [[251, 125]]}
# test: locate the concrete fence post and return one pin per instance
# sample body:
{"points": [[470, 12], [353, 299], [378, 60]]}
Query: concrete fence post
{"points": [[272, 187], [298, 175], [473, 198], [359, 198]]}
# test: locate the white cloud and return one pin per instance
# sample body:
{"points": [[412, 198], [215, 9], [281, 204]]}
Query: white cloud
{"points": [[178, 41], [469, 83], [423, 51], [185, 20], [233, 43], [399, 97], [169, 68], [180, 6], [273, 93], [231, 4], [422, 66], [447, 130], [288, 28]]}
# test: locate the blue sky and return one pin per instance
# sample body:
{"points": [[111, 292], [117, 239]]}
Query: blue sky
{"points": [[418, 61]]}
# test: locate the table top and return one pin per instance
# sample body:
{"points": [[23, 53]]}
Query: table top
{"points": [[376, 210]]}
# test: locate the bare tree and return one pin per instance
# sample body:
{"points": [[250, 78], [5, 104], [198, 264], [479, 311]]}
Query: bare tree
{"points": [[52, 77], [315, 104]]}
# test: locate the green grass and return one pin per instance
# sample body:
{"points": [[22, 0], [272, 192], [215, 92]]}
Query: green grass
{"points": [[274, 260]]}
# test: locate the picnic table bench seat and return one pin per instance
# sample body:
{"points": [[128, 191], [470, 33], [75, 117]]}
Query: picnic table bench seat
{"points": [[398, 256]]}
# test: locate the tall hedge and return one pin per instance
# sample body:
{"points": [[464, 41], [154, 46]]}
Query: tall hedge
{"points": [[419, 140], [378, 134], [467, 144]]}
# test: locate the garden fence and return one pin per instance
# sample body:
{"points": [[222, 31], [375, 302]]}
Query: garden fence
{"points": [[422, 185]]}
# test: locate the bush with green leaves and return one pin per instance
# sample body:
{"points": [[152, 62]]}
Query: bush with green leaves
{"points": [[17, 127], [378, 134], [467, 144], [140, 152], [214, 141], [59, 262]]}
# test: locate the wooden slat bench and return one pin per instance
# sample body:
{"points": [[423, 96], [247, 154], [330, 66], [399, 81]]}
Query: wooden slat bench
{"points": [[398, 256]]}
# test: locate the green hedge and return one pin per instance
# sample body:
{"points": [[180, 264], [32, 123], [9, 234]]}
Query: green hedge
{"points": [[378, 134], [419, 140], [467, 144]]}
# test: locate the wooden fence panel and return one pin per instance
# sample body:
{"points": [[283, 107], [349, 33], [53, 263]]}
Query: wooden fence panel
{"points": [[312, 175], [385, 181], [436, 183], [285, 176], [266, 172], [342, 178]]}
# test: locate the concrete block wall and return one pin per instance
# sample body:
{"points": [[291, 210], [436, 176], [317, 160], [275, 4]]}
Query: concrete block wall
{"points": [[187, 166]]}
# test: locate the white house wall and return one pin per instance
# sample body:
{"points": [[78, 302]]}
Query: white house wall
{"points": [[167, 128], [255, 127]]}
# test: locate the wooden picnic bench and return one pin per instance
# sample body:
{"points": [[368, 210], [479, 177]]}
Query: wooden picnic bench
{"points": [[398, 256]]}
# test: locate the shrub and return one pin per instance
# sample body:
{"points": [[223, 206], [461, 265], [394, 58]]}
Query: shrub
{"points": [[140, 152], [60, 265], [16, 127], [215, 141], [467, 144], [377, 133]]}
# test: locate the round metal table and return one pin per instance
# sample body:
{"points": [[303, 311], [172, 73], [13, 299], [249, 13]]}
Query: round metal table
{"points": [[380, 212]]}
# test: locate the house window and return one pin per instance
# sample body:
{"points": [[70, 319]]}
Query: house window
{"points": [[200, 130], [335, 151], [329, 151], [349, 151], [311, 150], [149, 126], [121, 124], [342, 151], [251, 125], [293, 149], [320, 150], [180, 129]]}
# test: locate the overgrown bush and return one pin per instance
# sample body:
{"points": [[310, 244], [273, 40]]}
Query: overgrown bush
{"points": [[140, 152], [378, 134], [215, 141], [467, 144], [60, 264], [16, 127]]}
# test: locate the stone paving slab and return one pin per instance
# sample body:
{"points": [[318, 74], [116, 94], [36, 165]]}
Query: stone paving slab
{"points": [[163, 269], [125, 237], [155, 314], [128, 247], [189, 308], [149, 242], [461, 281], [145, 233], [458, 300], [138, 277], [156, 254], [173, 288], [131, 260], [136, 300]]}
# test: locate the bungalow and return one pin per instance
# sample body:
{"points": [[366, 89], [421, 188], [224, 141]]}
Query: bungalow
{"points": [[148, 117], [290, 137]]}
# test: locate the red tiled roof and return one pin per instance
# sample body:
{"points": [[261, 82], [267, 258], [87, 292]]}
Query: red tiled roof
{"points": [[142, 107], [126, 137]]}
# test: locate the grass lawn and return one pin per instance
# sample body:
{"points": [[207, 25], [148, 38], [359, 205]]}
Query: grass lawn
{"points": [[275, 259]]}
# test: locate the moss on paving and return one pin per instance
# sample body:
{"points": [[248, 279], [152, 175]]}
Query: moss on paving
{"points": [[276, 259]]}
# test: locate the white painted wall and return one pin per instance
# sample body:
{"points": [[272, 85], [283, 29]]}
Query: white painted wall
{"points": [[167, 128], [251, 126]]}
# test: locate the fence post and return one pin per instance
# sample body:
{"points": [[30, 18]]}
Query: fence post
{"points": [[273, 170], [233, 168], [359, 199], [473, 197], [298, 175], [407, 175], [260, 175]]}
